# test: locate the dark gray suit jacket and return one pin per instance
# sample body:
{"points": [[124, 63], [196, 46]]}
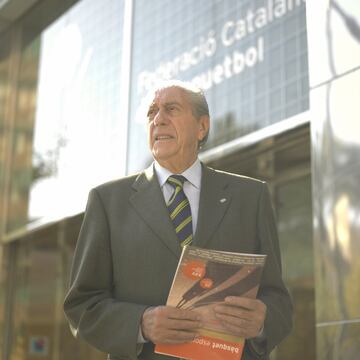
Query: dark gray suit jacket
{"points": [[127, 254]]}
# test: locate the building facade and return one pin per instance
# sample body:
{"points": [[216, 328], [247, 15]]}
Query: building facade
{"points": [[282, 80]]}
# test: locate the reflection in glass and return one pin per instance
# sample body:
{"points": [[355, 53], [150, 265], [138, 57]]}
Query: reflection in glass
{"points": [[78, 117], [294, 210], [22, 172]]}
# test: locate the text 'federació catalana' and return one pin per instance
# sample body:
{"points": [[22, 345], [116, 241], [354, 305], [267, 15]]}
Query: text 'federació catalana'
{"points": [[232, 33]]}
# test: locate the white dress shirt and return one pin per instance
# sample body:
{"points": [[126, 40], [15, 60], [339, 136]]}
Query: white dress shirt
{"points": [[191, 186]]}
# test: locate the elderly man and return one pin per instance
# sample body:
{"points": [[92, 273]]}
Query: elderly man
{"points": [[129, 246]]}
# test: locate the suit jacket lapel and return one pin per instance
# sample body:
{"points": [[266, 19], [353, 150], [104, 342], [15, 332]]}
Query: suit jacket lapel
{"points": [[214, 202], [150, 205]]}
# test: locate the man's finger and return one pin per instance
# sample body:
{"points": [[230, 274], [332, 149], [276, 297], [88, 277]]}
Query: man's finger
{"points": [[175, 313], [229, 319], [233, 311], [182, 324]]}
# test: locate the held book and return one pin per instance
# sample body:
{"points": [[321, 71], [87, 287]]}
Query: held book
{"points": [[203, 279]]}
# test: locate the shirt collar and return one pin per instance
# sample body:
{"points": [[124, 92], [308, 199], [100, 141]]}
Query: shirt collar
{"points": [[192, 174]]}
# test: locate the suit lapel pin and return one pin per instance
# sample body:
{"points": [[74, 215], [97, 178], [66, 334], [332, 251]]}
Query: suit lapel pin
{"points": [[222, 200]]}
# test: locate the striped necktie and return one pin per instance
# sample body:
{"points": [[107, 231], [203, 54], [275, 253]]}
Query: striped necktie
{"points": [[179, 210]]}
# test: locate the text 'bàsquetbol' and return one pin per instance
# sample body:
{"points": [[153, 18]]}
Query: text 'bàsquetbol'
{"points": [[232, 32]]}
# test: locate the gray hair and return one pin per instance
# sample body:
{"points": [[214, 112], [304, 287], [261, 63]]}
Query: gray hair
{"points": [[195, 96]]}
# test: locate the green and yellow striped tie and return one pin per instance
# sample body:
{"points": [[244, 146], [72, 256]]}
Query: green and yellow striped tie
{"points": [[179, 210]]}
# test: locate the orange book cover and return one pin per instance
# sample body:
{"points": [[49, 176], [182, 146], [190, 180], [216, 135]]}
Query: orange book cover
{"points": [[203, 279]]}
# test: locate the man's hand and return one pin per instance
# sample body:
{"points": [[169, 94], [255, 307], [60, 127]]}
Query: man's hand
{"points": [[242, 316], [168, 325]]}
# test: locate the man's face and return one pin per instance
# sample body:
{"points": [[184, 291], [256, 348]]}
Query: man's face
{"points": [[173, 131]]}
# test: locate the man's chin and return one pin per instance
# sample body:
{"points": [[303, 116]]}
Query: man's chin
{"points": [[162, 152], [160, 156]]}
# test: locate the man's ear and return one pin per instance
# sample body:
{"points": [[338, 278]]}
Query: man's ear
{"points": [[204, 125]]}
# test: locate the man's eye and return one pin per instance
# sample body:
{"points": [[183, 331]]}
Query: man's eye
{"points": [[151, 113]]}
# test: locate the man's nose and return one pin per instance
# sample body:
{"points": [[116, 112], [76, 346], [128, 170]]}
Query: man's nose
{"points": [[160, 118]]}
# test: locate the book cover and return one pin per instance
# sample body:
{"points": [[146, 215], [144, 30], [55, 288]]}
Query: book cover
{"points": [[203, 279]]}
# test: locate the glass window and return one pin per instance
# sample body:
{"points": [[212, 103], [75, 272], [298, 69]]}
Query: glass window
{"points": [[242, 40], [67, 113]]}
